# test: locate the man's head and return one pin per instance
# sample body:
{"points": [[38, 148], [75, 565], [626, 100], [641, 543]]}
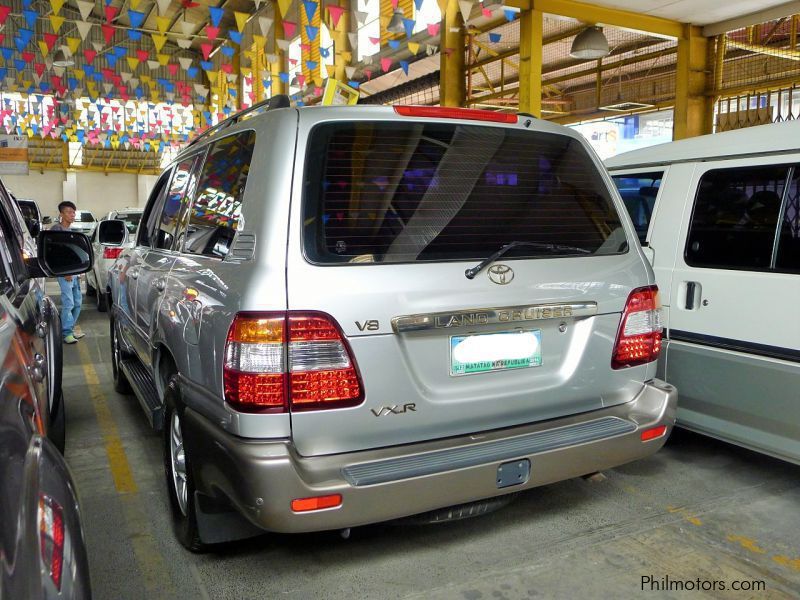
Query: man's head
{"points": [[67, 211]]}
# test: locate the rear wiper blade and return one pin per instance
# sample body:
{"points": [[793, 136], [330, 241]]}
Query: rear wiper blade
{"points": [[470, 273]]}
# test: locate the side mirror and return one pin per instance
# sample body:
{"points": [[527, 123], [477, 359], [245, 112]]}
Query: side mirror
{"points": [[61, 253], [112, 233], [34, 227], [47, 220]]}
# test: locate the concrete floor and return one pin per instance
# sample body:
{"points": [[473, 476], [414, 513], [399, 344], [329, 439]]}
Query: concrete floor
{"points": [[700, 511]]}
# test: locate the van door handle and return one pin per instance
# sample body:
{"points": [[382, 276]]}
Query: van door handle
{"points": [[160, 284], [690, 288]]}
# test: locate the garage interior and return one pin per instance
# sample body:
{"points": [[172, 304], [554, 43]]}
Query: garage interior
{"points": [[107, 93]]}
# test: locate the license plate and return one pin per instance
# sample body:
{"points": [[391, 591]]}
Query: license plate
{"points": [[470, 354]]}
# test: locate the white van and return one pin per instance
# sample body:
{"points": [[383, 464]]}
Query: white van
{"points": [[720, 215]]}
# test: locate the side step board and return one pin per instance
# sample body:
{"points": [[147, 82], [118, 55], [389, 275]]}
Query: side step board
{"points": [[145, 389]]}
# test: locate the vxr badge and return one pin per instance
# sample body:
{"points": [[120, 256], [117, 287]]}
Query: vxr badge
{"points": [[500, 274]]}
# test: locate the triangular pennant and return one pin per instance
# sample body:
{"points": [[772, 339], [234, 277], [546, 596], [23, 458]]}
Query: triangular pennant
{"points": [[142, 55], [85, 7], [283, 6], [386, 64], [98, 46], [108, 32], [184, 44], [43, 48], [350, 72], [212, 32], [336, 13], [494, 37], [404, 66], [152, 64], [206, 50], [331, 69], [136, 18], [487, 13], [353, 38], [215, 14], [163, 5], [289, 29], [133, 62], [158, 41], [110, 12], [312, 32], [510, 14], [413, 47], [185, 62], [283, 44], [4, 12], [241, 20], [56, 5], [465, 6], [73, 44], [408, 25], [89, 55], [264, 24], [311, 9], [56, 22], [83, 28], [163, 59], [50, 39], [236, 37], [162, 24], [361, 16], [433, 29]]}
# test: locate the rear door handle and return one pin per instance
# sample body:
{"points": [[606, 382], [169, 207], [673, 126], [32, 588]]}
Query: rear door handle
{"points": [[134, 273], [694, 291], [160, 284]]}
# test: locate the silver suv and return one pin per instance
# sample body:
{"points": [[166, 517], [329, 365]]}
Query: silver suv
{"points": [[344, 315]]}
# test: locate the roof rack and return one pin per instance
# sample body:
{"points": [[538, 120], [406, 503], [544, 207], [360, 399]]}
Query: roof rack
{"points": [[277, 101]]}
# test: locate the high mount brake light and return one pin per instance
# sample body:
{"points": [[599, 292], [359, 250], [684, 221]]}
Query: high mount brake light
{"points": [[441, 112], [276, 362], [639, 336]]}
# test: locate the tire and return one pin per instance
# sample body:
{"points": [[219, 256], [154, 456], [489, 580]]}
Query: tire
{"points": [[58, 428], [102, 301], [178, 473], [121, 383]]}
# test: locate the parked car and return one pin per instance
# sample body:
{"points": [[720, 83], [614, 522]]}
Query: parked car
{"points": [[105, 255], [724, 232], [392, 311], [30, 213], [42, 549]]}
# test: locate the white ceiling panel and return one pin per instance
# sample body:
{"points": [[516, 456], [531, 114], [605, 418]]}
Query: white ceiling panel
{"points": [[697, 12]]}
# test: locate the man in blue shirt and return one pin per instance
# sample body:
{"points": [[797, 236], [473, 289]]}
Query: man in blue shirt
{"points": [[70, 286]]}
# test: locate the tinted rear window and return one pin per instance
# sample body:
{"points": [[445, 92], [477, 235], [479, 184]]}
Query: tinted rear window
{"points": [[131, 220], [28, 210], [406, 192]]}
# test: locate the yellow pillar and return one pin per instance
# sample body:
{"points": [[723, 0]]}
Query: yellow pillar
{"points": [[282, 65], [530, 62], [341, 41], [452, 74], [693, 107], [236, 63]]}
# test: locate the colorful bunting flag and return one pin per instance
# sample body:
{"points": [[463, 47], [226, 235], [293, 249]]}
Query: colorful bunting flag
{"points": [[85, 7], [108, 32], [241, 19], [312, 32], [162, 24], [289, 29], [212, 32], [158, 41], [56, 22], [215, 14]]}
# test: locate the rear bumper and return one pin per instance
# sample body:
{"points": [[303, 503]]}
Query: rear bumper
{"points": [[261, 478]]}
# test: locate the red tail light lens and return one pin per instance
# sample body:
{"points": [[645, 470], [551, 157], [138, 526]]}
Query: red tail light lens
{"points": [[654, 433], [442, 112], [51, 537], [639, 336], [112, 252], [316, 503], [280, 360]]}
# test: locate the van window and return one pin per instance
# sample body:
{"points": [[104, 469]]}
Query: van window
{"points": [[735, 218], [406, 192], [639, 191], [788, 256], [214, 216], [176, 196]]}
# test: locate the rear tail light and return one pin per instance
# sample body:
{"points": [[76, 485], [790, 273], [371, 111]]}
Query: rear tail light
{"points": [[443, 112], [112, 252], [51, 537], [639, 337], [278, 361]]}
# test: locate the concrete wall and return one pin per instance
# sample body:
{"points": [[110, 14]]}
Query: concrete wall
{"points": [[96, 192]]}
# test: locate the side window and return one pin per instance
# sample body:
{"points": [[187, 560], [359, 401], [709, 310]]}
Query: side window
{"points": [[788, 256], [215, 213], [152, 210], [639, 191], [12, 252], [167, 225], [735, 218]]}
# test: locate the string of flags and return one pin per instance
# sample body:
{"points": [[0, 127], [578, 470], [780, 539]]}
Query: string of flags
{"points": [[168, 84]]}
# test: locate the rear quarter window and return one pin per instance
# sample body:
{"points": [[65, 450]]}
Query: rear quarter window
{"points": [[639, 191], [407, 192]]}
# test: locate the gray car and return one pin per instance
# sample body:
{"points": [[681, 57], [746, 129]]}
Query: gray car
{"points": [[346, 315]]}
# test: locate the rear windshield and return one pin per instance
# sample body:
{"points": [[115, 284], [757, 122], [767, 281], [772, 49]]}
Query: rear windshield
{"points": [[28, 210], [408, 192], [131, 220], [84, 217]]}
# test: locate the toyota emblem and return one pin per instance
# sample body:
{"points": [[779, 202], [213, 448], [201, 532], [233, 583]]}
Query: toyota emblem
{"points": [[501, 274]]}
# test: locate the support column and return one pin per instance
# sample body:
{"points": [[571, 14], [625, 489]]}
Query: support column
{"points": [[693, 107], [282, 64], [530, 62], [452, 74], [343, 52]]}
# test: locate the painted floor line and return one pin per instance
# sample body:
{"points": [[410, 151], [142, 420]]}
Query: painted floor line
{"points": [[155, 577]]}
